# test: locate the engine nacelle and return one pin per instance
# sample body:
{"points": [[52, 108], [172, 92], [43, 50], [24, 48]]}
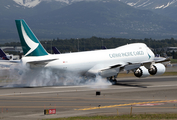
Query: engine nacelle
{"points": [[141, 72], [10, 57], [157, 69]]}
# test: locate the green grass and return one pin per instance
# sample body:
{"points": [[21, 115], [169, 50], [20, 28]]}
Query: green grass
{"points": [[173, 60], [122, 75], [125, 117], [170, 74]]}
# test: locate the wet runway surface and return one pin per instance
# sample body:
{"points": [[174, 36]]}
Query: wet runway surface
{"points": [[148, 95]]}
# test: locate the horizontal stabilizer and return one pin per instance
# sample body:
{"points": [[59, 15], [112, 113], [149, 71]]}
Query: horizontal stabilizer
{"points": [[40, 62]]}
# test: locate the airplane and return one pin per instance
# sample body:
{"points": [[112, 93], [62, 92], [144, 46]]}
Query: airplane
{"points": [[136, 57], [3, 56], [103, 47], [6, 61], [55, 50]]}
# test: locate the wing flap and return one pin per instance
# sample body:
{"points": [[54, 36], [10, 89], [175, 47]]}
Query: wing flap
{"points": [[113, 70], [131, 66], [104, 70], [109, 72]]}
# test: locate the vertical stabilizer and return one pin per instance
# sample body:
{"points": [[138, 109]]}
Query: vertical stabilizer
{"points": [[55, 50], [3, 55], [30, 44]]}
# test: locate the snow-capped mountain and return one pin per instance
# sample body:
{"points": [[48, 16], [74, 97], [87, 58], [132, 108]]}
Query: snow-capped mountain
{"points": [[28, 3], [167, 8], [151, 4], [34, 3], [86, 18]]}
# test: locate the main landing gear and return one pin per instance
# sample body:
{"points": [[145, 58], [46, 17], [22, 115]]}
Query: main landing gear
{"points": [[112, 79]]}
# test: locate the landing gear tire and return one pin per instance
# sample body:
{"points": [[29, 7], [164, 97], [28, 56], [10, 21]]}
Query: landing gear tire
{"points": [[112, 80]]}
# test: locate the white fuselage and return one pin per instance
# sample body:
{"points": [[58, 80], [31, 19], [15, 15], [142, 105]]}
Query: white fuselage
{"points": [[82, 62]]}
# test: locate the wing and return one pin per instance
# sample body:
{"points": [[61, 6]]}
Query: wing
{"points": [[112, 70], [161, 60]]}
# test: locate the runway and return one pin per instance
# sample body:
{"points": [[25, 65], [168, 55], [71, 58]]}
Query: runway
{"points": [[148, 95]]}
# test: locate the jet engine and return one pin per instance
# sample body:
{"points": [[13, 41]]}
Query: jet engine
{"points": [[157, 69], [10, 57], [141, 72]]}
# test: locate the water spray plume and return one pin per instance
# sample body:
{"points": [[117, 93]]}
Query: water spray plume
{"points": [[23, 76]]}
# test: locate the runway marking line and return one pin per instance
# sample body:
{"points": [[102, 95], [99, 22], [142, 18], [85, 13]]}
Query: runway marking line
{"points": [[112, 106], [56, 101], [150, 104]]}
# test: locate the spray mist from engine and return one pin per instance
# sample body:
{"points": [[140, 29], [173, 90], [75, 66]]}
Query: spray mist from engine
{"points": [[23, 76]]}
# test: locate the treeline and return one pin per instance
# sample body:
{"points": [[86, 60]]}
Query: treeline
{"points": [[85, 44], [93, 43]]}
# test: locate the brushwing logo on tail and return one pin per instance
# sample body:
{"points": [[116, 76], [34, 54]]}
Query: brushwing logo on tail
{"points": [[31, 44]]}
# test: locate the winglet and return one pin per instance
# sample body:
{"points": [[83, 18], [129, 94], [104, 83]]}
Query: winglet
{"points": [[30, 44]]}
